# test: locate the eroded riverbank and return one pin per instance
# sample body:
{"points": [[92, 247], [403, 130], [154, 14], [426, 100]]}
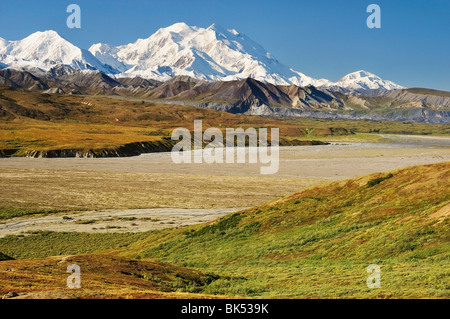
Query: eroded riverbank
{"points": [[105, 186]]}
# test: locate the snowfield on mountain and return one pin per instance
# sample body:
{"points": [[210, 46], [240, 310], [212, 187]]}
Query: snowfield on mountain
{"points": [[213, 54]]}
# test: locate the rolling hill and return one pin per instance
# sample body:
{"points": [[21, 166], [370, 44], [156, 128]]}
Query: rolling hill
{"points": [[60, 125], [316, 243], [44, 124]]}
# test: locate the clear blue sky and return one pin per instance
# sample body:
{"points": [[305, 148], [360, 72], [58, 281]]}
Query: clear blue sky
{"points": [[319, 38]]}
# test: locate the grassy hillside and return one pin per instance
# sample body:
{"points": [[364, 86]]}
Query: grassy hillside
{"points": [[41, 244], [318, 242], [102, 276], [33, 121], [428, 91], [361, 128]]}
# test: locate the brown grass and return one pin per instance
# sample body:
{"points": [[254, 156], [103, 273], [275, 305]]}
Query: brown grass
{"points": [[102, 276], [79, 190], [37, 121]]}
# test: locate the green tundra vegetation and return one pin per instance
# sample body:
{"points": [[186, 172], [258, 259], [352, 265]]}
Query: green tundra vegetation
{"points": [[34, 121], [316, 243]]}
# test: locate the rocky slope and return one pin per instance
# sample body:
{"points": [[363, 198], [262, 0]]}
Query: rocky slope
{"points": [[422, 97], [242, 96], [247, 96]]}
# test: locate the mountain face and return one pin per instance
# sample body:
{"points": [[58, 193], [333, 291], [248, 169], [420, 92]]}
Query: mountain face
{"points": [[247, 96], [210, 68], [421, 98], [46, 50], [22, 80], [365, 81], [211, 54], [253, 97], [216, 54]]}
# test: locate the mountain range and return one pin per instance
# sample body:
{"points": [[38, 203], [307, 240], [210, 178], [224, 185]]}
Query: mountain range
{"points": [[211, 54], [209, 68], [247, 96]]}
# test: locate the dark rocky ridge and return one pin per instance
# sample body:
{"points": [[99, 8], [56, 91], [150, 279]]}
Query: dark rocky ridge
{"points": [[127, 150], [246, 96], [130, 149]]}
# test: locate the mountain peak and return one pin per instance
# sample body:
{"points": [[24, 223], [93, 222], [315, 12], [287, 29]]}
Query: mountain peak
{"points": [[44, 45], [48, 35], [363, 80], [45, 50], [362, 73], [52, 33], [179, 27], [213, 53]]}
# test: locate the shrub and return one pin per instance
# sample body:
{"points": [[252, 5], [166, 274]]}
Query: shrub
{"points": [[378, 180]]}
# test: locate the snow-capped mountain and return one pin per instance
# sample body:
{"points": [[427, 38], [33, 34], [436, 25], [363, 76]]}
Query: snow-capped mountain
{"points": [[212, 53], [45, 50], [363, 80], [209, 54], [108, 54]]}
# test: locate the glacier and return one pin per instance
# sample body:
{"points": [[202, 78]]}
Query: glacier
{"points": [[212, 54]]}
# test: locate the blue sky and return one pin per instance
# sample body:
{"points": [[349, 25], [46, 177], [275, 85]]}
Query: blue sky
{"points": [[323, 39]]}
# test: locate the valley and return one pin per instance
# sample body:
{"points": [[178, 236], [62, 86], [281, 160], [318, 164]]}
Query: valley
{"points": [[153, 180], [87, 175], [398, 221], [299, 151], [89, 179]]}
